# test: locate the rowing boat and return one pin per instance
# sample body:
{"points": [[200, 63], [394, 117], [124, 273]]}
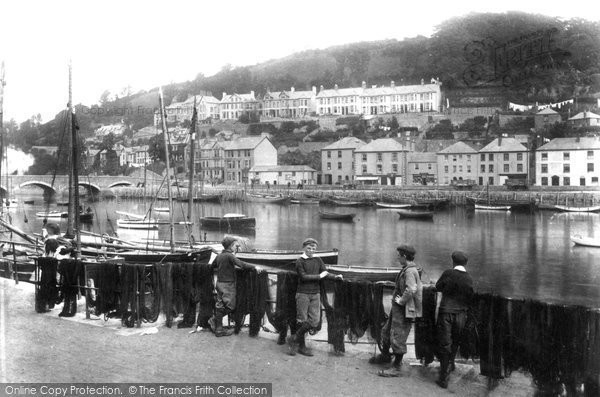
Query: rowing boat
{"points": [[492, 207], [336, 216], [392, 205], [415, 214], [284, 259], [267, 198], [566, 208], [373, 274], [586, 241], [228, 221]]}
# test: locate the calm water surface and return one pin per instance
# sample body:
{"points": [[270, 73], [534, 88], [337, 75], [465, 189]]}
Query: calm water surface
{"points": [[513, 254]]}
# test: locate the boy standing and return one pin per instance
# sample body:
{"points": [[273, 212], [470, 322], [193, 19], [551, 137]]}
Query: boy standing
{"points": [[311, 270]]}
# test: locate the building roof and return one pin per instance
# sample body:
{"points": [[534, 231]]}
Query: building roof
{"points": [[348, 142], [382, 145], [282, 168], [243, 97], [422, 157], [459, 148], [376, 91], [289, 95], [572, 144], [585, 116], [500, 145], [546, 111], [245, 143]]}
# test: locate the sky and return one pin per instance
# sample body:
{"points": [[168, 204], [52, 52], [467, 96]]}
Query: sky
{"points": [[145, 44]]}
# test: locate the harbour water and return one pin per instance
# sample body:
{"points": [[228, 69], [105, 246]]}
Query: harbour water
{"points": [[514, 254]]}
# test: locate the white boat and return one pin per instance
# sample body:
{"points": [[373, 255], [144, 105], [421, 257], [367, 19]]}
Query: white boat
{"points": [[492, 207], [51, 214], [567, 208], [161, 209], [146, 224], [586, 241], [392, 205], [129, 215]]}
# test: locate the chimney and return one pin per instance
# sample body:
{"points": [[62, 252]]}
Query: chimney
{"points": [[364, 85], [335, 87], [292, 89], [392, 84], [422, 81], [314, 90], [320, 88], [224, 95], [252, 94]]}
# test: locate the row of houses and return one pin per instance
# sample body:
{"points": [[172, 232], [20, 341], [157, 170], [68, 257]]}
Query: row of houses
{"points": [[367, 100]]}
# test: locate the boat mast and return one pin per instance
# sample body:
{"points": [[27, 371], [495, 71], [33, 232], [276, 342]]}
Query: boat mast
{"points": [[192, 169], [2, 84], [166, 139], [73, 226]]}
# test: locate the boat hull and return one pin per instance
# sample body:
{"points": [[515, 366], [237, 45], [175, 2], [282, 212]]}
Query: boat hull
{"points": [[336, 217], [227, 223], [565, 208], [426, 215], [283, 259], [492, 207], [355, 273], [264, 198], [586, 241]]}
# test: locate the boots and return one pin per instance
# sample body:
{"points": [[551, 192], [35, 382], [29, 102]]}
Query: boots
{"points": [[382, 358], [443, 377], [219, 330], [281, 339], [394, 370], [302, 349], [292, 345]]}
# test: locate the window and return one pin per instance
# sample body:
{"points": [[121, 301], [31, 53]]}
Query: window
{"points": [[519, 167], [491, 157], [339, 154], [454, 158], [544, 181], [491, 167], [482, 157], [505, 156], [364, 157], [460, 169], [454, 168], [506, 167], [468, 169], [519, 156], [544, 169], [379, 157], [446, 169], [428, 166], [329, 154], [595, 180], [446, 157], [582, 181], [280, 173], [590, 154], [394, 168], [490, 180], [364, 169], [416, 166], [328, 166], [590, 167], [566, 168], [379, 168], [394, 156], [482, 167], [544, 156], [566, 156], [468, 157], [339, 165], [566, 181]]}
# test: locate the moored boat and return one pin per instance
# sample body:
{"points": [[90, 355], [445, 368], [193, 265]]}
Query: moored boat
{"points": [[228, 221], [392, 205], [336, 216], [284, 259], [492, 207], [566, 208], [586, 241], [267, 198], [145, 224], [364, 273], [304, 201], [415, 214]]}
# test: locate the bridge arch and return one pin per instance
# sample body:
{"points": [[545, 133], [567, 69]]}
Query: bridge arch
{"points": [[120, 183], [92, 188], [49, 191]]}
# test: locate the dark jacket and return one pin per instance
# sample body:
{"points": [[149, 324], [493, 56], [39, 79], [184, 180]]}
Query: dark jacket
{"points": [[308, 270], [225, 263], [456, 287]]}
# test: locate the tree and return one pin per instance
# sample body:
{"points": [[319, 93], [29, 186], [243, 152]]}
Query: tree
{"points": [[156, 148]]}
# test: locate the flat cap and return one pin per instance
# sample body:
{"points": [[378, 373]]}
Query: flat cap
{"points": [[409, 249], [227, 241], [459, 258], [309, 241]]}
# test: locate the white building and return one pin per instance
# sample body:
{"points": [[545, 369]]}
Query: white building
{"points": [[382, 161], [568, 162], [289, 104], [283, 174], [458, 161]]}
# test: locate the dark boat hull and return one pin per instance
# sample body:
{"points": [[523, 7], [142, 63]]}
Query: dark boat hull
{"points": [[336, 217], [415, 214], [227, 223], [285, 260]]}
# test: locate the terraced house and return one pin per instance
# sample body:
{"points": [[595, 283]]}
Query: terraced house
{"points": [[503, 159], [568, 162], [232, 106], [457, 162], [244, 153], [289, 104], [382, 161], [377, 100], [337, 160]]}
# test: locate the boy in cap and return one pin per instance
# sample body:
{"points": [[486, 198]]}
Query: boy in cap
{"points": [[311, 270], [226, 262], [456, 286], [407, 305], [55, 245]]}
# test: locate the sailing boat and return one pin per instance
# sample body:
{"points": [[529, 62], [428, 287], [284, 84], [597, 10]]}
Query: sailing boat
{"points": [[489, 206]]}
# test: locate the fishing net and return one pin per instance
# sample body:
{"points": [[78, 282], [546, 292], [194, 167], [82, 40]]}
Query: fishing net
{"points": [[379, 316], [198, 288], [337, 322], [107, 282], [72, 277], [252, 292], [284, 315], [425, 329], [47, 293]]}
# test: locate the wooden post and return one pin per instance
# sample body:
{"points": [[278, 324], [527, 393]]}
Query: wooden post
{"points": [[15, 267], [87, 292]]}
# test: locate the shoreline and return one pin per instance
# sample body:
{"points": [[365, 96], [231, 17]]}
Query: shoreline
{"points": [[47, 348]]}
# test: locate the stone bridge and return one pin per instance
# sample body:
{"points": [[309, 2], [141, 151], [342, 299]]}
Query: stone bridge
{"points": [[51, 185]]}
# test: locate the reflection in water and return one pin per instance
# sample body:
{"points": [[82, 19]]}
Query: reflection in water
{"points": [[513, 254]]}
